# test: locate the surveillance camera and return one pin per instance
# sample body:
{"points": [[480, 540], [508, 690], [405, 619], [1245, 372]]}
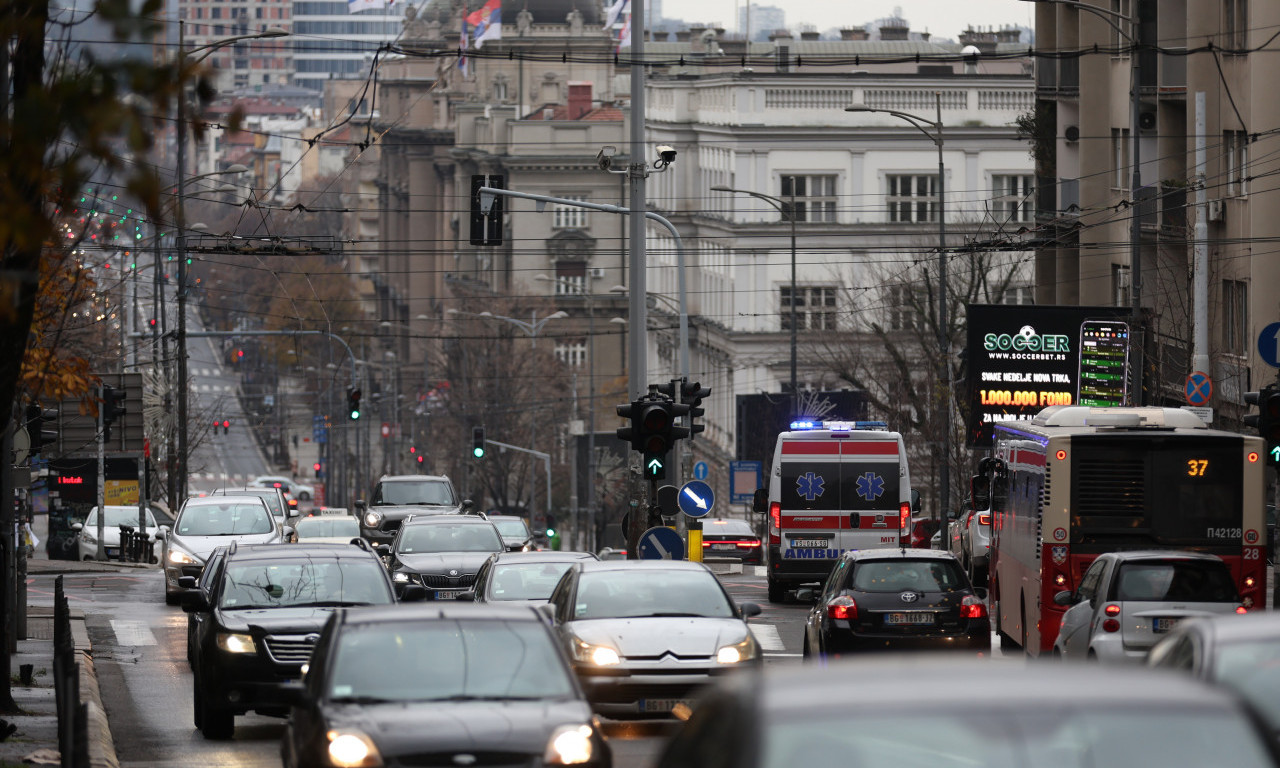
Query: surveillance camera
{"points": [[605, 157], [666, 154]]}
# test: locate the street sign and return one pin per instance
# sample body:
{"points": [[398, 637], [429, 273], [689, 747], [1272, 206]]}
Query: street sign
{"points": [[744, 478], [700, 470], [1269, 345], [696, 498], [1205, 414], [660, 544], [1199, 388]]}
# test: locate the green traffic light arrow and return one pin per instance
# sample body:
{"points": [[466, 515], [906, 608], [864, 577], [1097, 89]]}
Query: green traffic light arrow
{"points": [[654, 465]]}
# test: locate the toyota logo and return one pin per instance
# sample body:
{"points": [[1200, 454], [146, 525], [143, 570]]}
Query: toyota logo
{"points": [[453, 572], [909, 597]]}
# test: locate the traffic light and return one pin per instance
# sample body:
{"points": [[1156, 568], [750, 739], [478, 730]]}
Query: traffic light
{"points": [[1266, 420], [691, 394], [353, 402], [658, 433], [477, 442], [226, 426], [42, 426], [486, 226], [631, 434], [318, 468], [112, 408]]}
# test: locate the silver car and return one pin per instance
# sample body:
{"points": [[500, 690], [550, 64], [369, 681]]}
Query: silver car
{"points": [[209, 522], [117, 515], [1127, 601]]}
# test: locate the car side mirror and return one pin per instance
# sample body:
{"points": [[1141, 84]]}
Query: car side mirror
{"points": [[915, 500], [412, 593], [548, 611], [187, 582], [383, 550], [360, 505], [806, 594], [77, 526], [287, 531], [750, 609], [468, 504], [760, 500], [1065, 598], [194, 602], [163, 532]]}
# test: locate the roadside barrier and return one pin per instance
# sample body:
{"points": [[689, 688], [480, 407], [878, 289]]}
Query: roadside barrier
{"points": [[73, 716]]}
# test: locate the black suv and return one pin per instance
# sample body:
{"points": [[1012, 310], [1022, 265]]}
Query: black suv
{"points": [[395, 497], [256, 620], [442, 553]]}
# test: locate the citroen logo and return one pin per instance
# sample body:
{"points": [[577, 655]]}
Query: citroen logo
{"points": [[453, 572], [909, 597], [312, 638], [464, 759]]}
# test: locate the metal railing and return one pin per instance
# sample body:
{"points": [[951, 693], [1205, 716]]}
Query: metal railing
{"points": [[73, 716]]}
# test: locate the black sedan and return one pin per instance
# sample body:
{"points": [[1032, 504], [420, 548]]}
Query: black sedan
{"points": [[526, 577], [896, 598], [445, 685], [443, 553], [1239, 652], [732, 539], [900, 714]]}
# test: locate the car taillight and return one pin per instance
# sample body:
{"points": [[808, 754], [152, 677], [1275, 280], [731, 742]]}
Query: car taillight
{"points": [[1112, 610], [1241, 609], [972, 608], [842, 607], [904, 515], [749, 544], [1111, 625], [775, 523], [984, 518]]}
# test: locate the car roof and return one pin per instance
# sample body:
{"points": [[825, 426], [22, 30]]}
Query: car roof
{"points": [[898, 554], [412, 478], [281, 552], [988, 685], [437, 610], [1234, 628], [640, 565], [428, 518], [504, 517], [1161, 554], [553, 556], [222, 500]]}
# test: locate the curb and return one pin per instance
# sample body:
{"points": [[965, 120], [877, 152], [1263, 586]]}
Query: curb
{"points": [[102, 748]]}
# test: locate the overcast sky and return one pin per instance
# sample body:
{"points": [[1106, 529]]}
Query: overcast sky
{"points": [[944, 18]]}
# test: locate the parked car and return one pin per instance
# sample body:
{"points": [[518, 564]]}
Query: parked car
{"points": [[395, 497], [878, 599], [730, 538], [116, 516], [521, 577], [209, 522], [447, 685], [1128, 600], [934, 711]]}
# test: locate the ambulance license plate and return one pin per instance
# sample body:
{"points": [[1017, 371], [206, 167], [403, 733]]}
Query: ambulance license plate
{"points": [[810, 543]]}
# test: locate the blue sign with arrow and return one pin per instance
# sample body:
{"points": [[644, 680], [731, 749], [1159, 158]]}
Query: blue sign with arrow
{"points": [[660, 544], [696, 498], [1269, 345]]}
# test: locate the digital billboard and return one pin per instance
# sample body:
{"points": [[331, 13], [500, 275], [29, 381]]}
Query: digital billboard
{"points": [[1023, 358]]}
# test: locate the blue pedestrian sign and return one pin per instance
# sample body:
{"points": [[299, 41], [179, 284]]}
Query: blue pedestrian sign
{"points": [[1199, 388], [696, 498], [1269, 345], [660, 544], [700, 470]]}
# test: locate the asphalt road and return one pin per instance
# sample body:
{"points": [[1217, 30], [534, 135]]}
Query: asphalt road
{"points": [[140, 654]]}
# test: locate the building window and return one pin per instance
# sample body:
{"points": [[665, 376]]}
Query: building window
{"points": [[913, 198], [570, 216], [815, 308], [1122, 31], [1021, 294], [1120, 285], [815, 196], [1237, 24], [907, 307], [572, 353], [1235, 316], [1235, 149], [1120, 157], [571, 278], [1014, 198]]}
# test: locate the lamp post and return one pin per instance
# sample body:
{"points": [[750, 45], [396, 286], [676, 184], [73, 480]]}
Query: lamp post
{"points": [[182, 239], [788, 209], [944, 339]]}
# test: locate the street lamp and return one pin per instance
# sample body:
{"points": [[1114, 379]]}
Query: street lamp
{"points": [[181, 244], [531, 327], [944, 339], [788, 209]]}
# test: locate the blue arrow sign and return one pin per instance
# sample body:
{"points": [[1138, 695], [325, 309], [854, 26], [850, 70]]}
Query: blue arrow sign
{"points": [[700, 470], [1269, 345], [660, 544], [696, 498]]}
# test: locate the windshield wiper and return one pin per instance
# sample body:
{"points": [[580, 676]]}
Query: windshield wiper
{"points": [[364, 700], [329, 603], [668, 614], [475, 697]]}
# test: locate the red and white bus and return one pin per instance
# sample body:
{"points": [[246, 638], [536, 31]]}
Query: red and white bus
{"points": [[1075, 482]]}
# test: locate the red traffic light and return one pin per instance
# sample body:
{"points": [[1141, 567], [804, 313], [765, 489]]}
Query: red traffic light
{"points": [[316, 466]]}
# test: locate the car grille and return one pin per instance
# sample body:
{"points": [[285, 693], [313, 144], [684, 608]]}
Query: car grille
{"points": [[290, 649], [440, 581], [450, 759]]}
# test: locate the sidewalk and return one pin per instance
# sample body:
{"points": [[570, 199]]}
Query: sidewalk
{"points": [[36, 740]]}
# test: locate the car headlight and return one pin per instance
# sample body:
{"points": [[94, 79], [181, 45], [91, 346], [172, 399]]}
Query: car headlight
{"points": [[600, 655], [569, 745], [400, 577], [371, 519], [88, 536], [353, 749], [732, 654], [235, 642], [182, 558]]}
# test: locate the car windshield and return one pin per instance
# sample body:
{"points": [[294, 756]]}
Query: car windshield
{"points": [[304, 582], [271, 498], [487, 659], [1171, 736], [225, 519], [427, 492], [903, 575], [1189, 580], [327, 527], [511, 527], [425, 539], [525, 581], [727, 528], [636, 592], [1252, 668], [117, 516]]}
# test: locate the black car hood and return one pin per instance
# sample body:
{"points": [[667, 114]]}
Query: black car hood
{"points": [[459, 727], [275, 621], [443, 562], [401, 511]]}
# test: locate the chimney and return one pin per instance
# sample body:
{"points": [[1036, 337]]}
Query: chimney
{"points": [[895, 32], [1009, 35], [696, 43], [579, 99], [682, 36], [853, 33], [984, 41], [779, 34], [809, 34]]}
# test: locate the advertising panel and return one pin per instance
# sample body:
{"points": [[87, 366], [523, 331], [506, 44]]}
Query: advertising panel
{"points": [[1023, 358]]}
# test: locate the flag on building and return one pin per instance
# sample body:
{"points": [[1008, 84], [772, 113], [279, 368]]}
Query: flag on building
{"points": [[624, 37], [615, 12], [356, 6], [486, 23]]}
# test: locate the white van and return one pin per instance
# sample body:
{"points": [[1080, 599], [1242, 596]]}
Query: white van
{"points": [[832, 487]]}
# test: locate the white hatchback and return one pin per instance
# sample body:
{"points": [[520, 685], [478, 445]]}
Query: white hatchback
{"points": [[87, 532]]}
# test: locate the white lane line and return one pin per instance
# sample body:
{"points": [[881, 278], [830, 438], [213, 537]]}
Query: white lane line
{"points": [[768, 638], [132, 633], [773, 655]]}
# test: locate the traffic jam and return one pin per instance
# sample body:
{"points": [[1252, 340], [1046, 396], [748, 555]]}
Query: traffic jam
{"points": [[374, 634]]}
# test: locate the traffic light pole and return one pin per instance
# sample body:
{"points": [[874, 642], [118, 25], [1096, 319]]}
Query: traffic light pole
{"points": [[546, 461]]}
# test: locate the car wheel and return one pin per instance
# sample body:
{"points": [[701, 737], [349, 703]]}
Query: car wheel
{"points": [[89, 558], [804, 650], [777, 592], [197, 704], [213, 721]]}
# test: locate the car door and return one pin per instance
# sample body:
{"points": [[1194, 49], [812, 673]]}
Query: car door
{"points": [[818, 621], [198, 622], [1077, 622]]}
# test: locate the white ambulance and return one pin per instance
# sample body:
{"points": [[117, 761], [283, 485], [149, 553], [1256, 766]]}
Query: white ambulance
{"points": [[832, 487]]}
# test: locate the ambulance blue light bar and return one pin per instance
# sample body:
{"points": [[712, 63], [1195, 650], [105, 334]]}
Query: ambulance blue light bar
{"points": [[838, 426]]}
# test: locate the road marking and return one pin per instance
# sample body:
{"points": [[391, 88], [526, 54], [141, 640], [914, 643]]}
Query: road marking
{"points": [[768, 638], [774, 655], [132, 633]]}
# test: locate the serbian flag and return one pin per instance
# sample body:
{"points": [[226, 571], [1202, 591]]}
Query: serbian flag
{"points": [[615, 12], [356, 6], [486, 23], [624, 37]]}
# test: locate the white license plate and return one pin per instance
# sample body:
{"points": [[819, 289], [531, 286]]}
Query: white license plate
{"points": [[810, 543], [662, 705], [448, 594], [908, 618], [1164, 625], [724, 546]]}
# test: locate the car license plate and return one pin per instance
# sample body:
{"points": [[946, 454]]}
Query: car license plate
{"points": [[1164, 625], [917, 617], [723, 546], [662, 705], [809, 543], [448, 594], [113, 552]]}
